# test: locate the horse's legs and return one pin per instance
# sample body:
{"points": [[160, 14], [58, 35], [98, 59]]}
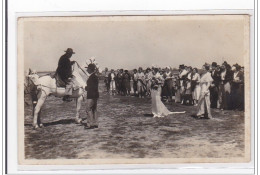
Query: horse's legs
{"points": [[37, 109], [78, 106], [39, 119]]}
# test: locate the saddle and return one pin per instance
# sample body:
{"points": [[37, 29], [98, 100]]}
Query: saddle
{"points": [[59, 82]]}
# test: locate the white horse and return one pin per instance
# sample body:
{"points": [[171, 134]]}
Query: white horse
{"points": [[46, 85]]}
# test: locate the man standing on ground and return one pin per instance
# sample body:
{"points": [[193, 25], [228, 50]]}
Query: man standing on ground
{"points": [[92, 97]]}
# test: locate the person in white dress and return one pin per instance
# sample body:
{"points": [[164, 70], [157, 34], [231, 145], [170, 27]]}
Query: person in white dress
{"points": [[205, 82], [195, 86], [158, 108], [112, 77]]}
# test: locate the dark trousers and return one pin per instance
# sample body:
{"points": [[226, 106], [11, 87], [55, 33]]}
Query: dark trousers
{"points": [[92, 117], [213, 96], [169, 87]]}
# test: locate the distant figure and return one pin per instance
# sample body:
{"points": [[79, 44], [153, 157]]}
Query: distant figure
{"points": [[182, 76], [214, 88], [92, 97], [64, 72], [188, 92], [126, 83], [140, 83], [204, 99], [195, 86], [135, 81], [226, 76], [237, 88], [106, 81], [168, 83], [112, 81], [148, 80], [120, 81]]}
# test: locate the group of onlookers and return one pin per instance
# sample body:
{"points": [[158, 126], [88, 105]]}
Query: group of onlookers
{"points": [[186, 85]]}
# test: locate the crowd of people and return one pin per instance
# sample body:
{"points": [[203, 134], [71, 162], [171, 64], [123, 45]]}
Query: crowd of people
{"points": [[187, 85]]}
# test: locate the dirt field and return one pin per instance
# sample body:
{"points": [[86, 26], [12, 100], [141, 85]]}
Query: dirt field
{"points": [[127, 130]]}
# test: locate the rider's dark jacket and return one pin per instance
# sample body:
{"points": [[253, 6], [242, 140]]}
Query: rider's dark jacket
{"points": [[64, 69]]}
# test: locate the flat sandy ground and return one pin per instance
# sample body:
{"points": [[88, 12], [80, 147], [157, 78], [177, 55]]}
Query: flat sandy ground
{"points": [[126, 130]]}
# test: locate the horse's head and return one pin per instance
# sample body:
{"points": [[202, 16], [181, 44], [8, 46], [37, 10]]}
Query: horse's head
{"points": [[31, 77]]}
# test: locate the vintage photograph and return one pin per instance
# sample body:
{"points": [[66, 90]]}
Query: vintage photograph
{"points": [[133, 89]]}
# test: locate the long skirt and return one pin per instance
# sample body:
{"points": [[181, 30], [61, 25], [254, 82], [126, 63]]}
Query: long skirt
{"points": [[169, 85], [227, 96], [135, 86], [140, 88], [204, 101], [224, 99], [148, 86], [158, 108], [126, 85], [112, 85], [196, 93], [178, 96]]}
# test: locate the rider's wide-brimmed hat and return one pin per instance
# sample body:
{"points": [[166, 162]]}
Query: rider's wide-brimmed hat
{"points": [[69, 50]]}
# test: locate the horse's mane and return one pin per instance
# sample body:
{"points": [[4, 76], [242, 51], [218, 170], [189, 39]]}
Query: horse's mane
{"points": [[81, 76]]}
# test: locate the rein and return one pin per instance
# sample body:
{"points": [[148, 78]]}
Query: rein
{"points": [[81, 68]]}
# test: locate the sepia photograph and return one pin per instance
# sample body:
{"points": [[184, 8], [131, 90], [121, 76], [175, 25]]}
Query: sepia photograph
{"points": [[133, 89]]}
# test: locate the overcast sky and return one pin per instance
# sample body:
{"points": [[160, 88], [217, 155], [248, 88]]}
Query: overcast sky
{"points": [[130, 42]]}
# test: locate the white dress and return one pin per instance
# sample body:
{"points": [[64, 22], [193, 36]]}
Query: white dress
{"points": [[158, 108], [196, 92]]}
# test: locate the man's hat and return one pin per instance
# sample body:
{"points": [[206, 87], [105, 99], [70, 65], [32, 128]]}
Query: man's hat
{"points": [[69, 50], [214, 64], [238, 67], [181, 66], [92, 67]]}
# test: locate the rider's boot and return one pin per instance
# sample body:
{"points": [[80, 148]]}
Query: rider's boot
{"points": [[68, 92]]}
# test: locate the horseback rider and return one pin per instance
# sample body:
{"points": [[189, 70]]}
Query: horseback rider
{"points": [[64, 71]]}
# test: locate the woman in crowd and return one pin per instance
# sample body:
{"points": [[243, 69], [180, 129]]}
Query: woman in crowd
{"points": [[148, 80], [134, 78], [120, 81], [106, 81], [140, 83], [236, 88], [112, 80], [195, 86], [226, 76], [168, 83], [204, 98], [126, 83], [182, 77], [188, 92]]}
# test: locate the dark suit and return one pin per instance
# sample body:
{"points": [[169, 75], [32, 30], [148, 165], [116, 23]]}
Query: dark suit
{"points": [[92, 97], [237, 92], [214, 89], [92, 87], [64, 69]]}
